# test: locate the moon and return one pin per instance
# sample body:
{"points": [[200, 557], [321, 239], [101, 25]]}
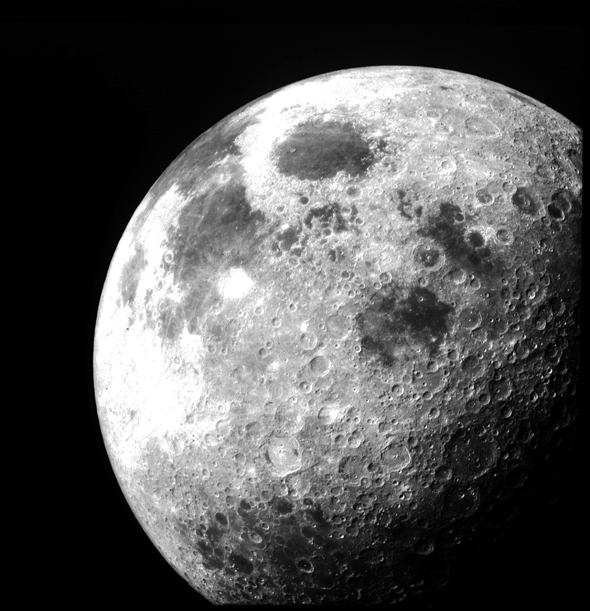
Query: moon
{"points": [[340, 329]]}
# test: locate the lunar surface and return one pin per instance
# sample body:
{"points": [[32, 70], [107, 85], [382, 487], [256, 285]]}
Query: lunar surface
{"points": [[339, 329]]}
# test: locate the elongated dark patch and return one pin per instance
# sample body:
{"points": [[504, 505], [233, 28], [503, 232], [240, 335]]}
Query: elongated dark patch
{"points": [[523, 99], [575, 156], [130, 276]]}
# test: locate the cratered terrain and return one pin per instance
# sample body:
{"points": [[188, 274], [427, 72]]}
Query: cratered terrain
{"points": [[339, 331]]}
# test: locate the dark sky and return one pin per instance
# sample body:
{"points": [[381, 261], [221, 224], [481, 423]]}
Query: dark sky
{"points": [[95, 112]]}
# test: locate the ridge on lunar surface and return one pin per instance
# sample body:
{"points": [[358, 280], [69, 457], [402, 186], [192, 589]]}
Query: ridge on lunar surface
{"points": [[335, 329]]}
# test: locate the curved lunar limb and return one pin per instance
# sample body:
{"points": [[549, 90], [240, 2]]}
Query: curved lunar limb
{"points": [[340, 331]]}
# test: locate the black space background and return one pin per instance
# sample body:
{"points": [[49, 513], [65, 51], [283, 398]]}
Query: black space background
{"points": [[93, 115]]}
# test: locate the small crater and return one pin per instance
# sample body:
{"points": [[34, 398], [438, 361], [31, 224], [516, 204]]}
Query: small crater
{"points": [[424, 547], [470, 318], [473, 366], [284, 454], [355, 439], [305, 565], [320, 366], [457, 276], [501, 389], [427, 256], [308, 340], [524, 202], [397, 456], [324, 582], [555, 212], [561, 204], [484, 197], [504, 236], [443, 473]]}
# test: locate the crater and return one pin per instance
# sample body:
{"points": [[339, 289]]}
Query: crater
{"points": [[427, 256], [524, 201]]}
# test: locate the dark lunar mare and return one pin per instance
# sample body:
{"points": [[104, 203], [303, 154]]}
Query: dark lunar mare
{"points": [[188, 169], [467, 250], [219, 229], [317, 150], [215, 231], [384, 323], [130, 276]]}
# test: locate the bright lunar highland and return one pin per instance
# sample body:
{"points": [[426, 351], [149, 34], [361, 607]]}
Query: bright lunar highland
{"points": [[339, 329]]}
